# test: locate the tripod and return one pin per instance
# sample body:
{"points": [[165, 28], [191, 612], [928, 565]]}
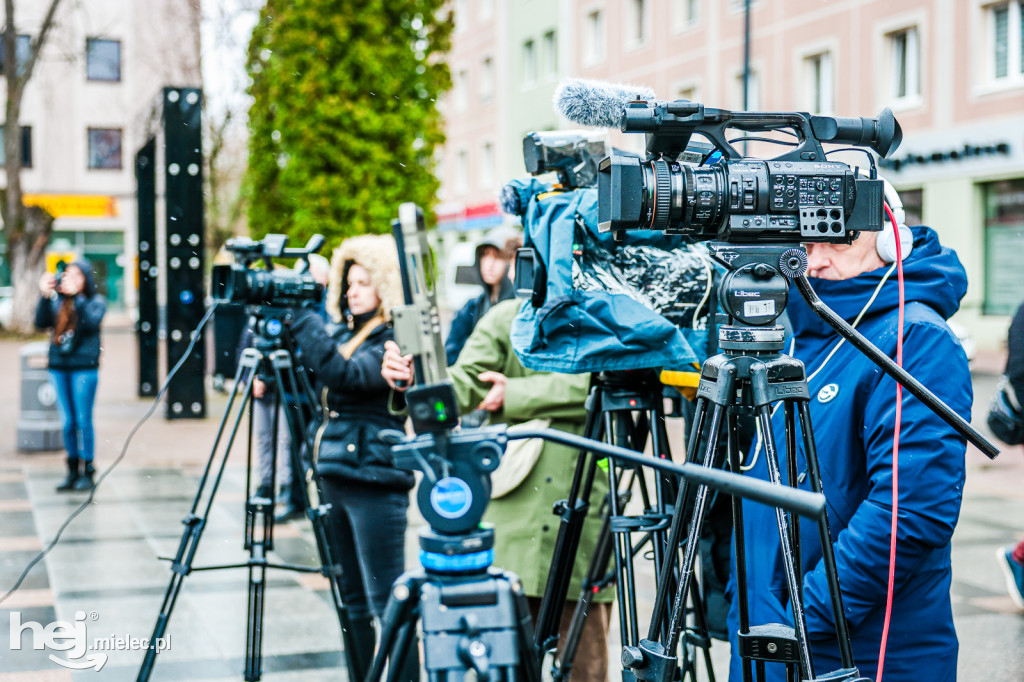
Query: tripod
{"points": [[270, 356], [624, 409], [746, 378]]}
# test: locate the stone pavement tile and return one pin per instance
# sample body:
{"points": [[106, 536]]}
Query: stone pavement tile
{"points": [[15, 505], [11, 566], [59, 675], [26, 657], [18, 522], [25, 598], [22, 542], [990, 648]]}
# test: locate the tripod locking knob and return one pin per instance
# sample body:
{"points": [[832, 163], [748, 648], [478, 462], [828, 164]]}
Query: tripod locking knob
{"points": [[633, 657]]}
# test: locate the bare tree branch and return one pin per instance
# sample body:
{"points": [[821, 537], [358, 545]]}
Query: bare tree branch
{"points": [[37, 42]]}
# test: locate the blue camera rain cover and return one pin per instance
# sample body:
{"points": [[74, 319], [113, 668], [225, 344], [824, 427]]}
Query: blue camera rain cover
{"points": [[638, 303]]}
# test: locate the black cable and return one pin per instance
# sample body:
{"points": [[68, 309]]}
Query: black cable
{"points": [[124, 450]]}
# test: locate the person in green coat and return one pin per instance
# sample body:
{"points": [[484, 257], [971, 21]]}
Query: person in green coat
{"points": [[489, 376]]}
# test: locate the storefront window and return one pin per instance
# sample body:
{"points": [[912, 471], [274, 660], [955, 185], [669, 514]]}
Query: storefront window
{"points": [[913, 206], [1004, 242]]}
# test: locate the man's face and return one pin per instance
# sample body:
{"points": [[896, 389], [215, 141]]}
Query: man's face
{"points": [[492, 266], [843, 261]]}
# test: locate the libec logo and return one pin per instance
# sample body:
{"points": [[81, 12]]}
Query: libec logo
{"points": [[73, 639]]}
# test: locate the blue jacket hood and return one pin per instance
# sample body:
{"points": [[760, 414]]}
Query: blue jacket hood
{"points": [[932, 275]]}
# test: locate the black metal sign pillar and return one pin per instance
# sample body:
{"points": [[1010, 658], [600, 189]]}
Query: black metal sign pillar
{"points": [[146, 274], [183, 168]]}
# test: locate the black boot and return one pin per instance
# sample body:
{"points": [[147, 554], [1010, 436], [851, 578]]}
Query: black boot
{"points": [[84, 481], [69, 482], [360, 640]]}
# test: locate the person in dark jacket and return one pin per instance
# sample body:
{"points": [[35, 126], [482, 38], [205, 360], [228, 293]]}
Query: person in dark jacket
{"points": [[494, 256], [1011, 559], [852, 408], [369, 497], [73, 309]]}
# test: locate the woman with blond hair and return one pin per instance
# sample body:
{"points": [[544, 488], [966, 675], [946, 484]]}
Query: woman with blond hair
{"points": [[369, 497]]}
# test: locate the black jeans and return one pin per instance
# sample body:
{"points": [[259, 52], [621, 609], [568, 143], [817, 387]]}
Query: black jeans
{"points": [[368, 525]]}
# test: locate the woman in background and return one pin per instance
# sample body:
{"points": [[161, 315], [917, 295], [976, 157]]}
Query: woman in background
{"points": [[72, 308]]}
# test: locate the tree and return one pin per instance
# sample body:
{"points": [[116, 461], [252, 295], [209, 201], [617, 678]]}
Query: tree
{"points": [[26, 230], [344, 120]]}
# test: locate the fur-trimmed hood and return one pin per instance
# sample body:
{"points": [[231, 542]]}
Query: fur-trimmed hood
{"points": [[379, 255]]}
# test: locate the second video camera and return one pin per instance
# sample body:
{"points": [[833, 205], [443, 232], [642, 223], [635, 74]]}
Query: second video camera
{"points": [[241, 283]]}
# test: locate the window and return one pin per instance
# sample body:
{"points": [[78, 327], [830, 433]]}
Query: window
{"points": [[105, 148], [26, 146], [903, 50], [550, 54], [688, 92], [486, 78], [818, 79], [636, 22], [529, 63], [593, 37], [684, 14], [1004, 240], [21, 50], [485, 10], [461, 171], [461, 15], [486, 166], [1006, 22], [913, 206], [460, 90], [103, 59]]}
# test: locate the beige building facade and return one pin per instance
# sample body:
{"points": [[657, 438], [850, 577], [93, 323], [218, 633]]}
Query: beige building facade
{"points": [[951, 70]]}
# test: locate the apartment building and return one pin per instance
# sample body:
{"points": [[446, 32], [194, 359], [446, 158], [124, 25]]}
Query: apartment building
{"points": [[951, 70], [89, 106]]}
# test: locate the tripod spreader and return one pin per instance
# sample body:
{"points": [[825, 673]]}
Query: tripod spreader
{"points": [[802, 502], [959, 424]]}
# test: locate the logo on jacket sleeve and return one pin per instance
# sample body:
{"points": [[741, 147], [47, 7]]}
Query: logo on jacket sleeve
{"points": [[827, 393]]}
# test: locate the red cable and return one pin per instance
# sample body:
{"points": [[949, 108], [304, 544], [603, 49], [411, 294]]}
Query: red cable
{"points": [[895, 451]]}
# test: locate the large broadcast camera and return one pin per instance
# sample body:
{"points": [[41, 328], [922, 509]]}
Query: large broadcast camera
{"points": [[798, 196], [243, 284]]}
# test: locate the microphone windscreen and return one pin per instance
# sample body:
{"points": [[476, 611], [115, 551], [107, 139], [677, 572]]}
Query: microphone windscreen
{"points": [[597, 103]]}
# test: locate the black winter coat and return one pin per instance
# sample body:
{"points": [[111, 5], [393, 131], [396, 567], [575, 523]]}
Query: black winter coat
{"points": [[354, 397], [83, 351]]}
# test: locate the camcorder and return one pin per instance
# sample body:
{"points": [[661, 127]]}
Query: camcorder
{"points": [[798, 196], [247, 285], [574, 155]]}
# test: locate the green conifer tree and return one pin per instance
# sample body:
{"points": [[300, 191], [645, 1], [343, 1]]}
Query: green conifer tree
{"points": [[344, 121]]}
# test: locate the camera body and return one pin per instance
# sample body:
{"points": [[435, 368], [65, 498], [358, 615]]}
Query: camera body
{"points": [[573, 154], [798, 196], [244, 284]]}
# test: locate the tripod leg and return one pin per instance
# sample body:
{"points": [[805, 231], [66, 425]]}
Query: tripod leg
{"points": [[740, 567], [259, 520], [400, 612], [570, 529], [665, 577], [772, 461], [696, 523], [595, 575], [195, 523], [791, 480], [827, 551]]}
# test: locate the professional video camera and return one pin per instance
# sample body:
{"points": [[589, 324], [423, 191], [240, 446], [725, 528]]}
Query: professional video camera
{"points": [[241, 283], [798, 196], [573, 154]]}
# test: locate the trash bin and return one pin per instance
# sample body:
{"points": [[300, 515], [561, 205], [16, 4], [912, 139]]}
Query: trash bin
{"points": [[39, 426]]}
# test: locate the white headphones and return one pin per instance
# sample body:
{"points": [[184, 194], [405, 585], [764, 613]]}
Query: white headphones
{"points": [[885, 243]]}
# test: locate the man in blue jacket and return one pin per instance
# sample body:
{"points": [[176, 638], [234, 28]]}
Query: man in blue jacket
{"points": [[852, 408]]}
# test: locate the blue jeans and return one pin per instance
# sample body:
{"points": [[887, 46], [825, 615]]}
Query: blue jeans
{"points": [[76, 393]]}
